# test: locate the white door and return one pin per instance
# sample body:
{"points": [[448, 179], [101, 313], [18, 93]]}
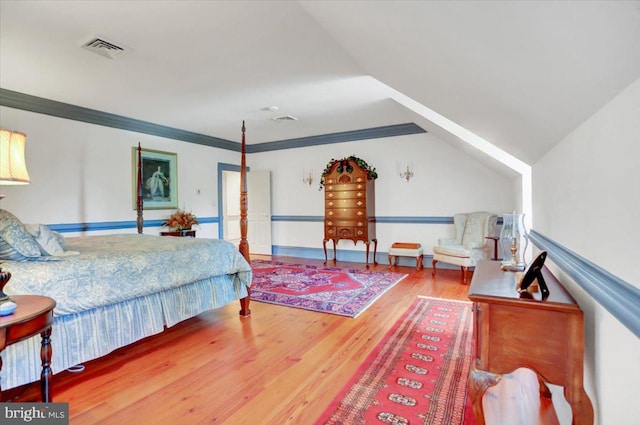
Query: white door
{"points": [[259, 211], [231, 206]]}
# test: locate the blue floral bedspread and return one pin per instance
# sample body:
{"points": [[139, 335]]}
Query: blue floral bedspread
{"points": [[114, 268]]}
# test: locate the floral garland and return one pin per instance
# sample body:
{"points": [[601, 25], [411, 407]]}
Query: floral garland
{"points": [[181, 220], [345, 165]]}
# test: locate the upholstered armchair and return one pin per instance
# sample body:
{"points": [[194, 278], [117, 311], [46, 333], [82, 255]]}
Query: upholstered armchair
{"points": [[470, 244]]}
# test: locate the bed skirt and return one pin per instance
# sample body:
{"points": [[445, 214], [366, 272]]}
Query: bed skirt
{"points": [[78, 338]]}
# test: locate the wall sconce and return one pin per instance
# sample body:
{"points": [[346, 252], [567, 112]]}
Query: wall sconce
{"points": [[307, 177], [13, 165], [406, 174]]}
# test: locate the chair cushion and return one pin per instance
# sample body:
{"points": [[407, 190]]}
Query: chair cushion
{"points": [[453, 250]]}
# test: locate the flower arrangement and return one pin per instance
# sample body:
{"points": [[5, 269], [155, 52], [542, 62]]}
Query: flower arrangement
{"points": [[346, 166], [181, 220]]}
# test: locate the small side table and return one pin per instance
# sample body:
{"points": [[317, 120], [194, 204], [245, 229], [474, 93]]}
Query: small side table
{"points": [[180, 233], [495, 240], [33, 315]]}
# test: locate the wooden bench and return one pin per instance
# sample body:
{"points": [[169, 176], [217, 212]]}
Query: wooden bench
{"points": [[406, 249]]}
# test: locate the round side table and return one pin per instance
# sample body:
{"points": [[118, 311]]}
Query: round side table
{"points": [[33, 315]]}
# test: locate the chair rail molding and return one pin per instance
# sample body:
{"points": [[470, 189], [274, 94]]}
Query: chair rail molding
{"points": [[114, 225], [620, 298]]}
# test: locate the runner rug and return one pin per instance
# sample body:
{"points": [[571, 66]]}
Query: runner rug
{"points": [[345, 292], [417, 374]]}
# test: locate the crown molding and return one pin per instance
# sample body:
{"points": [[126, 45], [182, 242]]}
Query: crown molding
{"points": [[26, 102]]}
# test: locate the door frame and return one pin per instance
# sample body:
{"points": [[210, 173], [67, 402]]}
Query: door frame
{"points": [[224, 167]]}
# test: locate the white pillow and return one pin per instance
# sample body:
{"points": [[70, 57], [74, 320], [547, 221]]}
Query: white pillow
{"points": [[46, 239], [15, 241]]}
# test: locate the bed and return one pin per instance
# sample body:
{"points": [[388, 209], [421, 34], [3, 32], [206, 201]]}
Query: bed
{"points": [[113, 290]]}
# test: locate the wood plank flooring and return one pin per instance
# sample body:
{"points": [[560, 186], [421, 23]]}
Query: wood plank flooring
{"points": [[280, 366]]}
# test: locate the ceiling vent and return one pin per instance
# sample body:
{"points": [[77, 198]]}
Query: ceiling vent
{"points": [[285, 118], [105, 48]]}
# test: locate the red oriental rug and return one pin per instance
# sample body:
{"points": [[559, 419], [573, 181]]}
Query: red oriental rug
{"points": [[417, 374], [324, 289]]}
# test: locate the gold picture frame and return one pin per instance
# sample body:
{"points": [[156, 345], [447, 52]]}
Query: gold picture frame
{"points": [[159, 179]]}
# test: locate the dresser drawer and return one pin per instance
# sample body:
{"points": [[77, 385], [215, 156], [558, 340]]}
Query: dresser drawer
{"points": [[341, 232], [351, 194], [345, 203], [345, 222], [345, 186], [353, 213], [330, 180], [344, 232]]}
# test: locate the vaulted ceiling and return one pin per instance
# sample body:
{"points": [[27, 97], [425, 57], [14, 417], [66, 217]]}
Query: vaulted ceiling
{"points": [[520, 74]]}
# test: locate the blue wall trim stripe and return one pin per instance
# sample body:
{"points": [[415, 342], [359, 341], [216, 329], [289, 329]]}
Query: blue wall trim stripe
{"points": [[54, 108], [620, 298], [114, 225], [383, 219], [388, 219], [315, 218], [415, 220], [345, 136]]}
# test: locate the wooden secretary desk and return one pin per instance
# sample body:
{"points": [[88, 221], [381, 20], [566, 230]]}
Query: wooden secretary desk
{"points": [[349, 206], [514, 330]]}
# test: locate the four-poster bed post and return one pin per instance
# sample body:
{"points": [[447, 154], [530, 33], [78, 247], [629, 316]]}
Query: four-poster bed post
{"points": [[244, 244], [139, 221]]}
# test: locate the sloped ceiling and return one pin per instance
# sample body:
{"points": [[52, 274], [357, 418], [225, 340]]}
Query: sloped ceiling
{"points": [[520, 74]]}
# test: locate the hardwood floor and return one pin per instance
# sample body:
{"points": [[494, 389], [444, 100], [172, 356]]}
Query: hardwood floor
{"points": [[280, 366]]}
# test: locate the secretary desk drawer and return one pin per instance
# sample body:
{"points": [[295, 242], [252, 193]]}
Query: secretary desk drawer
{"points": [[329, 180], [345, 203], [352, 213], [344, 232], [345, 186], [345, 223], [345, 194]]}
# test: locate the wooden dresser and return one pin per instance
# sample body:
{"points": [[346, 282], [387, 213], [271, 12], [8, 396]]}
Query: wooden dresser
{"points": [[513, 330], [349, 207]]}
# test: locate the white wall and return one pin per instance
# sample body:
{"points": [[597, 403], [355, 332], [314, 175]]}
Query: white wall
{"points": [[446, 181], [586, 196], [83, 173]]}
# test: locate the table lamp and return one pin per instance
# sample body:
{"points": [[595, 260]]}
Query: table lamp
{"points": [[13, 166], [13, 170]]}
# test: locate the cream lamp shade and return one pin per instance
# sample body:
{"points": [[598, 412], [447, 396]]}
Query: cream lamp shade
{"points": [[13, 166]]}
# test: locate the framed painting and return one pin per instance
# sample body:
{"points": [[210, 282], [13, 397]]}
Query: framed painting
{"points": [[159, 179]]}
